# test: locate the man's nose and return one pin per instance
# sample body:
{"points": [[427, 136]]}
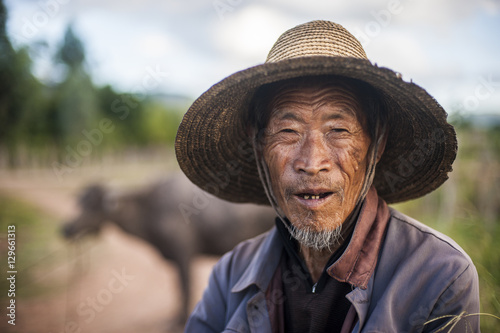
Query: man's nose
{"points": [[313, 156]]}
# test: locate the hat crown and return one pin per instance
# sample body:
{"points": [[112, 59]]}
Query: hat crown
{"points": [[316, 38]]}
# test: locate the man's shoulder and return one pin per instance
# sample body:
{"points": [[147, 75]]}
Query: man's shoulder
{"points": [[412, 225], [427, 272], [411, 238], [421, 275]]}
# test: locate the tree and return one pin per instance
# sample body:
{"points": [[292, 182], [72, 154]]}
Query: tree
{"points": [[72, 52], [18, 89], [75, 107]]}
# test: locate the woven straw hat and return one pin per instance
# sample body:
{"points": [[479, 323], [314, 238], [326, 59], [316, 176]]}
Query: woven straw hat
{"points": [[214, 151]]}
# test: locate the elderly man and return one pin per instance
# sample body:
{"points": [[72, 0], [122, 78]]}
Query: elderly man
{"points": [[327, 138]]}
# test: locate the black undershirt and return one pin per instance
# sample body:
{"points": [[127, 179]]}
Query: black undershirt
{"points": [[309, 307]]}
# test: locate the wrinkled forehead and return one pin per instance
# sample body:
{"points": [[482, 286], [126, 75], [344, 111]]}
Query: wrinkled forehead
{"points": [[312, 92], [336, 98]]}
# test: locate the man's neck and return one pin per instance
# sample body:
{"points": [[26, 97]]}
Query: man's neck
{"points": [[316, 260]]}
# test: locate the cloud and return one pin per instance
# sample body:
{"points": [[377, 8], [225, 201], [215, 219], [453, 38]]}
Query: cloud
{"points": [[249, 33]]}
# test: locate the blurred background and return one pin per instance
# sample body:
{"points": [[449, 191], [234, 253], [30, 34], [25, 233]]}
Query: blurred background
{"points": [[93, 91]]}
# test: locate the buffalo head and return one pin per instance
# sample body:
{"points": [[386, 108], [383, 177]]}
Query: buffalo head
{"points": [[92, 213]]}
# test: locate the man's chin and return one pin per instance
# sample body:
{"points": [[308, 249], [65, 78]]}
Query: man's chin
{"points": [[317, 240]]}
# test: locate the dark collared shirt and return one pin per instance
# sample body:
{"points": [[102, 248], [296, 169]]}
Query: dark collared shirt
{"points": [[310, 307]]}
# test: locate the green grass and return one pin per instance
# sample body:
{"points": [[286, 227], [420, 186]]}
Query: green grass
{"points": [[39, 251]]}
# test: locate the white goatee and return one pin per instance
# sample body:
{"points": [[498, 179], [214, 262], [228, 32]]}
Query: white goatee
{"points": [[317, 240]]}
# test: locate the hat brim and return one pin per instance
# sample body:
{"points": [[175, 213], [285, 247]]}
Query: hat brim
{"points": [[216, 154]]}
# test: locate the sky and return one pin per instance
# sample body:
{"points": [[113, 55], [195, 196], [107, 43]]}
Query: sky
{"points": [[449, 47]]}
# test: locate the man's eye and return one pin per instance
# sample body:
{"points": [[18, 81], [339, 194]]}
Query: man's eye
{"points": [[287, 130], [339, 130]]}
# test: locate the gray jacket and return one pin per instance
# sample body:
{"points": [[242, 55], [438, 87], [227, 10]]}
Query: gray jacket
{"points": [[420, 275]]}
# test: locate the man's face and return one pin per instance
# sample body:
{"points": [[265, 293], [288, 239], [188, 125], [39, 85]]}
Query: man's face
{"points": [[315, 147]]}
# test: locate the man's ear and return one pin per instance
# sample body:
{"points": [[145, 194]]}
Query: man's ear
{"points": [[381, 146]]}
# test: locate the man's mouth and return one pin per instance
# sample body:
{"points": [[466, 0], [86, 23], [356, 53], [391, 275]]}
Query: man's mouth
{"points": [[314, 196]]}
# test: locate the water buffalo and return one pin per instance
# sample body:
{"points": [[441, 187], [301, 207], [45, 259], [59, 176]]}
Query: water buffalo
{"points": [[174, 216]]}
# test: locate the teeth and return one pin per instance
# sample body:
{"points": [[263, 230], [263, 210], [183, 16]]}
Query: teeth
{"points": [[312, 197]]}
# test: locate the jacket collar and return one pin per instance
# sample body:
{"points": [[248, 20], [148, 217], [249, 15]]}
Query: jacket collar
{"points": [[357, 263]]}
